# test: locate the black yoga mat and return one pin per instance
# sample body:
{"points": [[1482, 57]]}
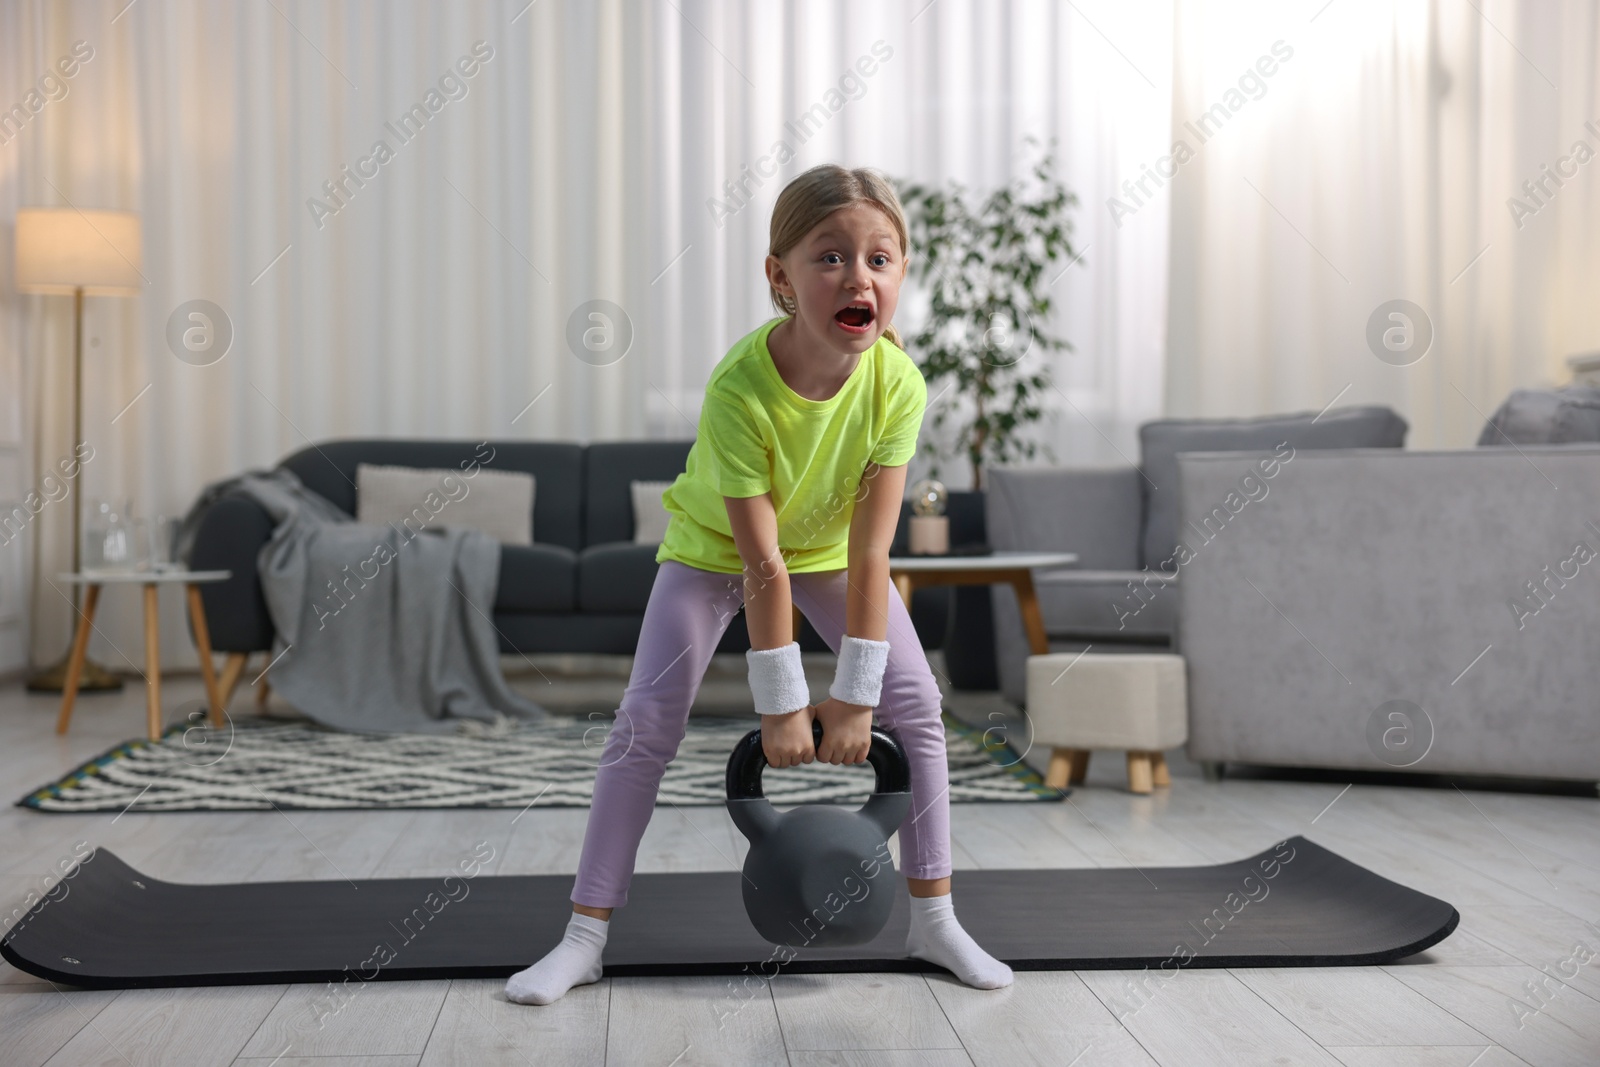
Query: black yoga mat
{"points": [[1294, 905]]}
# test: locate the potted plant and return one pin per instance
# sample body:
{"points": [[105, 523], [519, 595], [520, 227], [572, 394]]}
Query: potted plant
{"points": [[987, 273]]}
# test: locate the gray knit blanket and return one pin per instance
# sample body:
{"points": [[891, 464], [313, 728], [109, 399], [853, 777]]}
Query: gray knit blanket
{"points": [[380, 629]]}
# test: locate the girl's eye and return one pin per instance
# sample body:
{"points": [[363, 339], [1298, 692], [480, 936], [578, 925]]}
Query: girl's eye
{"points": [[884, 256]]}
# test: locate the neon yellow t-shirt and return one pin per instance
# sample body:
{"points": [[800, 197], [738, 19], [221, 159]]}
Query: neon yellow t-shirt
{"points": [[756, 434]]}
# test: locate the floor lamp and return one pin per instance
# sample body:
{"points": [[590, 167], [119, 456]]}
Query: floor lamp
{"points": [[65, 251]]}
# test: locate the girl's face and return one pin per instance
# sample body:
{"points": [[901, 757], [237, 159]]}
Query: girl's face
{"points": [[845, 278]]}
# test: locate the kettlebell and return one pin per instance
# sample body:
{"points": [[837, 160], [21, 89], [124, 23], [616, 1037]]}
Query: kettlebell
{"points": [[819, 875]]}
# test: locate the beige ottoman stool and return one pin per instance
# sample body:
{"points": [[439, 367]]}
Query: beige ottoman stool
{"points": [[1082, 701]]}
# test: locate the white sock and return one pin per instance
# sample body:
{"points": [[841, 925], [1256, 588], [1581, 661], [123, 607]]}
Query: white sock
{"points": [[575, 961], [937, 937]]}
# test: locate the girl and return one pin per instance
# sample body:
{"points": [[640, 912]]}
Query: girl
{"points": [[793, 485]]}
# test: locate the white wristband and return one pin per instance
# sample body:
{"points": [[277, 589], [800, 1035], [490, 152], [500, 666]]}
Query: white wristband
{"points": [[859, 677], [777, 680]]}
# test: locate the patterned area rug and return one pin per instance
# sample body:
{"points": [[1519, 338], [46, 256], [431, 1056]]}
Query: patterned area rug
{"points": [[259, 764]]}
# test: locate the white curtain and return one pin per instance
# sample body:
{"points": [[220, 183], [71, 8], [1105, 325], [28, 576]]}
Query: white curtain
{"points": [[1385, 159], [582, 160]]}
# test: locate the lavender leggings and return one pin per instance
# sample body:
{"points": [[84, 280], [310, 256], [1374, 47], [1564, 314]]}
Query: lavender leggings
{"points": [[688, 611]]}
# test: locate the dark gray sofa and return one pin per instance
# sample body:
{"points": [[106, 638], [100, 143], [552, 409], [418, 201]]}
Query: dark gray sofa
{"points": [[583, 585]]}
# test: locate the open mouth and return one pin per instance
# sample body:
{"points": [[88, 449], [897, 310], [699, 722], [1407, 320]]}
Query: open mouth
{"points": [[856, 317]]}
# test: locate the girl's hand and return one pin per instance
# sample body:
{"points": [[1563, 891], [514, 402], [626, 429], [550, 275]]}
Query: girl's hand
{"points": [[846, 731], [786, 738]]}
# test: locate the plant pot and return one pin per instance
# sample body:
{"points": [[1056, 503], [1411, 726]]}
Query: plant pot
{"points": [[930, 535]]}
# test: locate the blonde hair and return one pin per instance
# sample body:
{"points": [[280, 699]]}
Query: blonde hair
{"points": [[818, 193]]}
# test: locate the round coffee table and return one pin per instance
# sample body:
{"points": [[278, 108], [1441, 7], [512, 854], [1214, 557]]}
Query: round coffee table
{"points": [[92, 580], [910, 573]]}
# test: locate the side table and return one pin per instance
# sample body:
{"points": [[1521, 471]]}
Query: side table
{"points": [[1016, 567], [92, 580]]}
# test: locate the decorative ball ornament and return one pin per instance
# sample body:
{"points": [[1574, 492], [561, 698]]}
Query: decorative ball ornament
{"points": [[929, 497]]}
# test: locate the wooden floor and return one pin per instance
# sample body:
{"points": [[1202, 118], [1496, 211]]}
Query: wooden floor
{"points": [[1523, 870]]}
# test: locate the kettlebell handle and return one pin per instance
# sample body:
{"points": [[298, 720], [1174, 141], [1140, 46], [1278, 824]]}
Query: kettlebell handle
{"points": [[887, 756]]}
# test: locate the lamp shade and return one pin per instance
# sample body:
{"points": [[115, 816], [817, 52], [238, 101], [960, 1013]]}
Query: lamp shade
{"points": [[61, 249]]}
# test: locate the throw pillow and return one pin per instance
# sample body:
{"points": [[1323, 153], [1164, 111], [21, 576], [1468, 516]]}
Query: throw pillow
{"points": [[499, 503], [1545, 417], [650, 515]]}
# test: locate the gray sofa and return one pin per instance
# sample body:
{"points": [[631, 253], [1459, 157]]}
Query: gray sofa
{"points": [[581, 587], [1123, 522], [1449, 580]]}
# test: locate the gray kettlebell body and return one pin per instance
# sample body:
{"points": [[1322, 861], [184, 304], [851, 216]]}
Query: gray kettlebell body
{"points": [[819, 875]]}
